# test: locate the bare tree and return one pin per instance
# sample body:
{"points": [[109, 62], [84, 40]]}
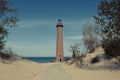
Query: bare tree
{"points": [[75, 49], [98, 34], [89, 37]]}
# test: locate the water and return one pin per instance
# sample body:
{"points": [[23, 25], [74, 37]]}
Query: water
{"points": [[42, 59]]}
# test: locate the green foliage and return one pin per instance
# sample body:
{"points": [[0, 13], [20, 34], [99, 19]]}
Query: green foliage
{"points": [[7, 20], [109, 19]]}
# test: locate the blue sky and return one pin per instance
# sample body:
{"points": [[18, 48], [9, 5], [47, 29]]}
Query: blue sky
{"points": [[36, 34]]}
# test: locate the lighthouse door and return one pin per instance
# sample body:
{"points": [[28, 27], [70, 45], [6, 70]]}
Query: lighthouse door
{"points": [[60, 60], [60, 56]]}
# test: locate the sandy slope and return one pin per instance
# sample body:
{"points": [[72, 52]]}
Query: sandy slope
{"points": [[26, 70], [82, 74]]}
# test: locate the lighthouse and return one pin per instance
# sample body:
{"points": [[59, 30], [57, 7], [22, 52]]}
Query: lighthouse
{"points": [[59, 42]]}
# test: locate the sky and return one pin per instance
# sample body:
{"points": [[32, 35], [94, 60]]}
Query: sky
{"points": [[36, 34]]}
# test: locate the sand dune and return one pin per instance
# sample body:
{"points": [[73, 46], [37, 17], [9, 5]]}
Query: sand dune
{"points": [[20, 70], [27, 70]]}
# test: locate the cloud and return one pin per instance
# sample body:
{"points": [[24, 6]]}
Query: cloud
{"points": [[47, 48], [28, 23], [35, 22], [27, 48], [75, 37]]}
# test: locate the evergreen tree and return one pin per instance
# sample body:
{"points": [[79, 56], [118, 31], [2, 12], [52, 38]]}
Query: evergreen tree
{"points": [[7, 20], [109, 19]]}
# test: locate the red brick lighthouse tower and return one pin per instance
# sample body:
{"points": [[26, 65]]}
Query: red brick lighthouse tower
{"points": [[59, 44]]}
